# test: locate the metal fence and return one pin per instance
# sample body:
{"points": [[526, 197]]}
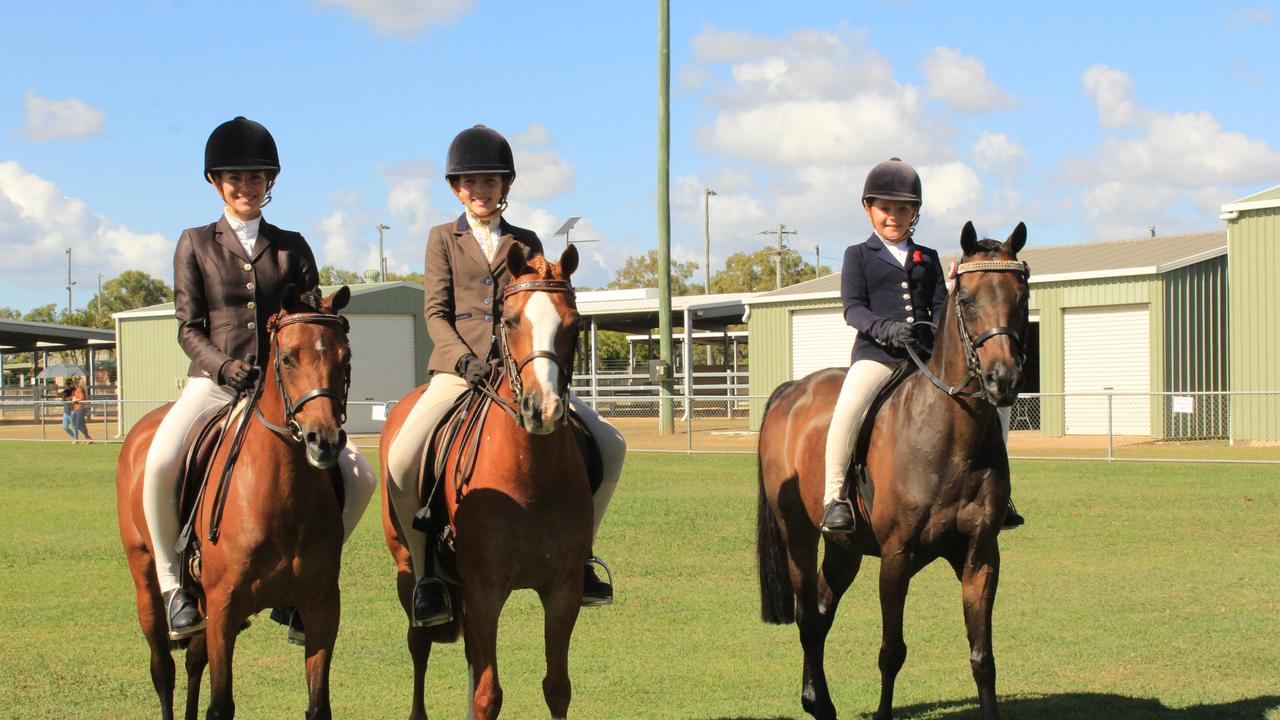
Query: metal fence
{"points": [[1190, 427]]}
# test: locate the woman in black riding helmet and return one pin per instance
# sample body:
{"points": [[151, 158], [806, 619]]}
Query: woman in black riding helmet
{"points": [[228, 278]]}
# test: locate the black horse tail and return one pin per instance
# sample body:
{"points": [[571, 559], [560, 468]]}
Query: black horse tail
{"points": [[777, 601]]}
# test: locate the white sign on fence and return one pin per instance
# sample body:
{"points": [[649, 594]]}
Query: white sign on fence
{"points": [[1184, 404], [379, 413]]}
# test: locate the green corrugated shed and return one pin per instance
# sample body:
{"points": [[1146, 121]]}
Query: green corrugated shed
{"points": [[1180, 280], [1253, 231], [152, 366]]}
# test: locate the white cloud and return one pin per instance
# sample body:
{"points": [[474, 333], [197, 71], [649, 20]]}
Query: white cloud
{"points": [[1168, 169], [38, 223], [403, 19], [1244, 18], [64, 119], [998, 152], [961, 81], [540, 172]]}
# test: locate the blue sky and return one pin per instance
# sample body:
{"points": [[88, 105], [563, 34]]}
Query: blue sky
{"points": [[1089, 121]]}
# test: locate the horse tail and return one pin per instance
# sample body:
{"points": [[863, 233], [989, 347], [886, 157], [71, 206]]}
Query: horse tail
{"points": [[777, 601]]}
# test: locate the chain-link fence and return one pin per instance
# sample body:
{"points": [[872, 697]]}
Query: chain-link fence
{"points": [[1193, 427]]}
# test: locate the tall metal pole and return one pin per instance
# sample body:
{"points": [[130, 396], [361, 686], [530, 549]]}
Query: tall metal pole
{"points": [[69, 283], [706, 234], [382, 256], [98, 317], [666, 424]]}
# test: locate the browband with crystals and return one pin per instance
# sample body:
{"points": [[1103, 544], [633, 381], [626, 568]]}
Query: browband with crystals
{"points": [[993, 266]]}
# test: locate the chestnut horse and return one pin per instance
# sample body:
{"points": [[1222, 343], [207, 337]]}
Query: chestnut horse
{"points": [[938, 467], [523, 518], [280, 539]]}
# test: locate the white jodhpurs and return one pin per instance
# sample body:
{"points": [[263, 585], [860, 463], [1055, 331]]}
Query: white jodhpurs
{"points": [[864, 381], [199, 400], [404, 457]]}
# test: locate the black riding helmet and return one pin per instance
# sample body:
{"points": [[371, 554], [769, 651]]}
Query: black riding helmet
{"points": [[477, 151], [893, 180], [241, 144]]}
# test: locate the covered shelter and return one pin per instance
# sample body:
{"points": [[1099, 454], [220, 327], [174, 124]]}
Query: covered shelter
{"points": [[22, 336]]}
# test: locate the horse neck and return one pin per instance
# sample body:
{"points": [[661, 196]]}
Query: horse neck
{"points": [[950, 364]]}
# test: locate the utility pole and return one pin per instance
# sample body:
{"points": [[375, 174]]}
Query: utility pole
{"points": [[69, 283], [382, 256], [706, 234], [779, 252], [666, 423], [98, 317], [817, 262]]}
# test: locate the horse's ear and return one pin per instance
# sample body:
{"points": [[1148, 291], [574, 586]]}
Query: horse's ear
{"points": [[291, 299], [1017, 239], [339, 299], [569, 260], [517, 265], [969, 239]]}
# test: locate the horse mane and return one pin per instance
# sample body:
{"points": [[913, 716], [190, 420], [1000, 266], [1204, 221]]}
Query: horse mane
{"points": [[541, 268]]}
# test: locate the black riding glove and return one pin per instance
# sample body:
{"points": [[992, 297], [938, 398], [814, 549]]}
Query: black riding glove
{"points": [[897, 335], [239, 374], [472, 369]]}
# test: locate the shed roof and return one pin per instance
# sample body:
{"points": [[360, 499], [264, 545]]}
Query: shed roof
{"points": [[166, 309], [636, 311], [1115, 258], [23, 336], [1266, 199]]}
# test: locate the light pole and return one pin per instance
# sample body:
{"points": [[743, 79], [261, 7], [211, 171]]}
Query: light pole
{"points": [[69, 282], [382, 257], [98, 317], [706, 234]]}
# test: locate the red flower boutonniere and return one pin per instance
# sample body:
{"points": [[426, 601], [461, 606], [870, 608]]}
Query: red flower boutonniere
{"points": [[917, 258]]}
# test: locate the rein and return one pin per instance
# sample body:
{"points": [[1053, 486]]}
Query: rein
{"points": [[970, 344]]}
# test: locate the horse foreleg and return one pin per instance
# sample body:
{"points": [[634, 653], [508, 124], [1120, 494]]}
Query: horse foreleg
{"points": [[197, 659], [321, 621], [560, 608], [220, 637], [419, 641], [481, 630], [896, 569], [979, 574]]}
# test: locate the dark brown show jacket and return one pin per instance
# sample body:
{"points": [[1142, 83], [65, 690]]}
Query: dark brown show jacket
{"points": [[223, 297]]}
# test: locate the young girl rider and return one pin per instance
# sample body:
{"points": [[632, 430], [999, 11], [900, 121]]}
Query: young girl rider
{"points": [[228, 279], [888, 284], [466, 274]]}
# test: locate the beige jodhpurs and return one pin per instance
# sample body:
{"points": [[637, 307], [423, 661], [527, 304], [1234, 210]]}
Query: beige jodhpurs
{"points": [[404, 457], [200, 399], [864, 380]]}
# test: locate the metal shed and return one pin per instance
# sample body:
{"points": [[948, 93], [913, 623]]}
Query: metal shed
{"points": [[1138, 316], [388, 337], [1253, 234]]}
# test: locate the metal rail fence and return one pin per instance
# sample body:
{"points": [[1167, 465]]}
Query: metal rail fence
{"points": [[1186, 427]]}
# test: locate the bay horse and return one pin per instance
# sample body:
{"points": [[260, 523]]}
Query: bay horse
{"points": [[523, 517], [939, 472], [279, 542]]}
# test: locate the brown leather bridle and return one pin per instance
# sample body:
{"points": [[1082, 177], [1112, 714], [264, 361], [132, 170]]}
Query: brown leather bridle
{"points": [[514, 367]]}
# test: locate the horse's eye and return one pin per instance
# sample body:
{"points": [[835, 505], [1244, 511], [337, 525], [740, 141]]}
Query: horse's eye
{"points": [[510, 322], [286, 360]]}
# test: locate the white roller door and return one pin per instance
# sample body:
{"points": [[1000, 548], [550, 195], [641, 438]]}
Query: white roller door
{"points": [[819, 339], [381, 367], [1107, 350]]}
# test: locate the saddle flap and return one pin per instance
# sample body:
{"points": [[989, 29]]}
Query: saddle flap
{"points": [[198, 450]]}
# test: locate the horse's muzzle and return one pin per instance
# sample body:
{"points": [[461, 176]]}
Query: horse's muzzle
{"points": [[1002, 383], [540, 412], [323, 448]]}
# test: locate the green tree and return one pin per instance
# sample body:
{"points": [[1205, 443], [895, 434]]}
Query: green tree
{"points": [[641, 271], [412, 277], [44, 313], [756, 271], [129, 290], [330, 275], [8, 313]]}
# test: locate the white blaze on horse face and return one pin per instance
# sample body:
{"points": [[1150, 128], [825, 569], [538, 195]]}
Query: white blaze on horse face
{"points": [[319, 345], [544, 319]]}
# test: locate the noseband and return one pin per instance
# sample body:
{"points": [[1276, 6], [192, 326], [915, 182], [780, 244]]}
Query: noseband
{"points": [[512, 367], [291, 429], [971, 344]]}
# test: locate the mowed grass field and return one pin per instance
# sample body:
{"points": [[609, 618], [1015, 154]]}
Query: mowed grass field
{"points": [[1137, 591]]}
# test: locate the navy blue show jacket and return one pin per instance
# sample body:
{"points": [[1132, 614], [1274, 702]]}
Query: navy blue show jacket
{"points": [[877, 291]]}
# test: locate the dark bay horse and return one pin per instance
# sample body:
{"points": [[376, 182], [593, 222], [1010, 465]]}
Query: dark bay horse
{"points": [[523, 519], [280, 538], [939, 470]]}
